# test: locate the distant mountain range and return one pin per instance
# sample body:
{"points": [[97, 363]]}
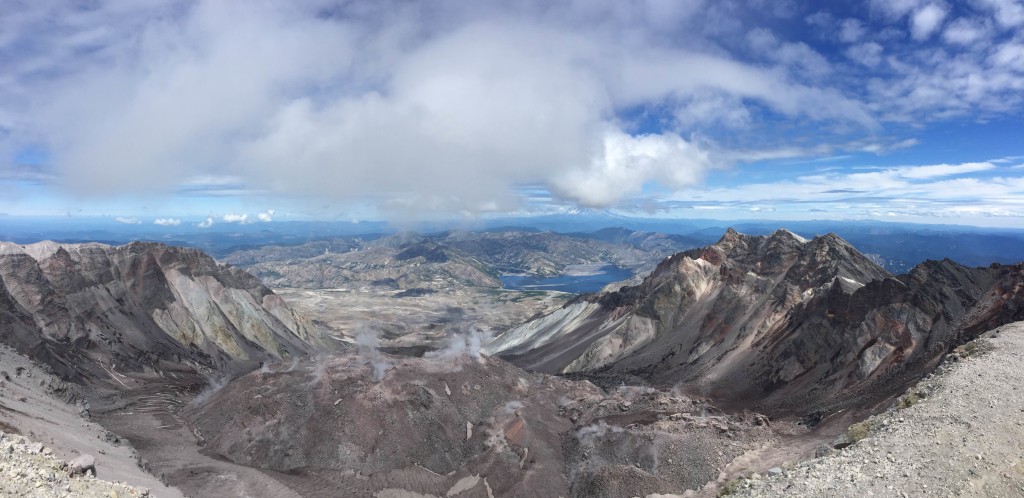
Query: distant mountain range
{"points": [[450, 259], [897, 247]]}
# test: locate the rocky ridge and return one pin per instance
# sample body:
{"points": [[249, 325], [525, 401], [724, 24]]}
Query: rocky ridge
{"points": [[776, 322], [94, 311]]}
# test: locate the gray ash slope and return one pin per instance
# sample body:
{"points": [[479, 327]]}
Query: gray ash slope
{"points": [[89, 310], [775, 322]]}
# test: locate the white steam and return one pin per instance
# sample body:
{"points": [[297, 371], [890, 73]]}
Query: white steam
{"points": [[592, 432], [367, 342], [512, 407], [213, 385], [460, 345]]}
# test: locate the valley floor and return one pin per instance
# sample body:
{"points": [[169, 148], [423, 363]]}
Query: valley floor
{"points": [[422, 319], [964, 437]]}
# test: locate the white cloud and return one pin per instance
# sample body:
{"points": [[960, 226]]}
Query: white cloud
{"points": [[964, 31], [918, 190], [1009, 55], [236, 218], [382, 99], [128, 220], [266, 216], [894, 9], [868, 54], [824, 21], [627, 163], [799, 57], [1009, 13], [712, 108], [450, 106], [927, 20], [167, 222], [207, 223], [851, 30], [939, 170]]}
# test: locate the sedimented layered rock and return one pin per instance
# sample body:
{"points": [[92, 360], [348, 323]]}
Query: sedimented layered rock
{"points": [[775, 321], [86, 309]]}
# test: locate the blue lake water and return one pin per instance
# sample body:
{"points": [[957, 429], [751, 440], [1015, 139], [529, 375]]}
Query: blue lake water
{"points": [[591, 281]]}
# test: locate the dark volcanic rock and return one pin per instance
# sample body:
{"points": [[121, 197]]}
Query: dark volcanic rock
{"points": [[415, 292], [775, 322], [445, 422]]}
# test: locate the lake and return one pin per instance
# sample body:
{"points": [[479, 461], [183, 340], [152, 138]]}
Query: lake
{"points": [[576, 279]]}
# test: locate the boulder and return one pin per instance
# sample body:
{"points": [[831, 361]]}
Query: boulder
{"points": [[82, 464]]}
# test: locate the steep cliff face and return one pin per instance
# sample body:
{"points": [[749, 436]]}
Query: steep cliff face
{"points": [[776, 320], [88, 308]]}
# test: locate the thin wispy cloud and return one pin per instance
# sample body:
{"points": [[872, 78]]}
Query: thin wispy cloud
{"points": [[929, 194]]}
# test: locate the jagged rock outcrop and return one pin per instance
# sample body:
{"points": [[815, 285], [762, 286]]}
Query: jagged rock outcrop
{"points": [[776, 322], [88, 310]]}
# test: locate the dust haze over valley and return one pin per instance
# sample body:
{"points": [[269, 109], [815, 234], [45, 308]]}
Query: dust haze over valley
{"points": [[635, 248]]}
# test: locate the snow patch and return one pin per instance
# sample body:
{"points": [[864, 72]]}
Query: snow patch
{"points": [[795, 236]]}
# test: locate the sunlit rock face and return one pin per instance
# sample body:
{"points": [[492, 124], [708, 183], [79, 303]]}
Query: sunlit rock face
{"points": [[87, 309], [777, 322]]}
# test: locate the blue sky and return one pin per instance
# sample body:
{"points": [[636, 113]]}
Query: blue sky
{"points": [[205, 112]]}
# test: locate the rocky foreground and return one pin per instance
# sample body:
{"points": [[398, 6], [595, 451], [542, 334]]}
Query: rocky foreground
{"points": [[30, 469], [958, 433]]}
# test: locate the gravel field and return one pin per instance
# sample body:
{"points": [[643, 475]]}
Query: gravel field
{"points": [[31, 469], [962, 435]]}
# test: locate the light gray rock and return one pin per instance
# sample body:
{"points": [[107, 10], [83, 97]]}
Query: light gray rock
{"points": [[82, 464]]}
